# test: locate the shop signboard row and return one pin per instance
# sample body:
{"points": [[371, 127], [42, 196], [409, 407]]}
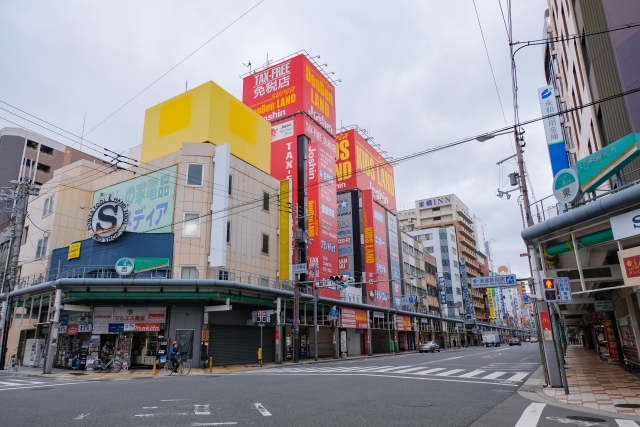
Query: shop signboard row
{"points": [[75, 329], [353, 318], [129, 315], [403, 323], [117, 328]]}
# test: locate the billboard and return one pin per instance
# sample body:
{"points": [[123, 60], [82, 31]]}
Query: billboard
{"points": [[288, 87], [393, 254], [346, 251], [553, 130], [359, 165], [466, 297], [375, 251], [149, 198]]}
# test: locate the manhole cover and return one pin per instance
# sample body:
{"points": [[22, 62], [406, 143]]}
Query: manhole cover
{"points": [[502, 391], [628, 405], [590, 419], [414, 404]]}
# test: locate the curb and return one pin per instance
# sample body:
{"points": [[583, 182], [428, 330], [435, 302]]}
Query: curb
{"points": [[533, 389]]}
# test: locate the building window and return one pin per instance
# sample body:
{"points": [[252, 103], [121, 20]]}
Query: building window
{"points": [[194, 174], [223, 275], [263, 281], [230, 183], [25, 234], [42, 247], [458, 291], [429, 249], [457, 277], [43, 169], [46, 150], [191, 227], [454, 251], [229, 232], [265, 244], [265, 201], [435, 210], [189, 272], [48, 205], [444, 249], [428, 236], [437, 218], [453, 238], [455, 264]]}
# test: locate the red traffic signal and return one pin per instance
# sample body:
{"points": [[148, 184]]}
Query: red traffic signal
{"points": [[549, 284], [550, 290]]}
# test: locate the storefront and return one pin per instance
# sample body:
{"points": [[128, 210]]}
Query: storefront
{"points": [[74, 341], [354, 324], [381, 332], [234, 338], [405, 333]]}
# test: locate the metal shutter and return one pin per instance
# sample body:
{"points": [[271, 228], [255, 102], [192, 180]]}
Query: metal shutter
{"points": [[380, 340], [232, 345], [325, 342]]}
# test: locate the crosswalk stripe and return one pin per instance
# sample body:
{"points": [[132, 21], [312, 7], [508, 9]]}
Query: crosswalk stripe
{"points": [[392, 368], [428, 371], [372, 368], [471, 374], [404, 371], [518, 376], [20, 384], [531, 415], [447, 373], [626, 423], [494, 375]]}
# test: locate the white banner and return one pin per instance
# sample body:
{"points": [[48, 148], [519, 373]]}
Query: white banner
{"points": [[129, 314], [103, 315]]}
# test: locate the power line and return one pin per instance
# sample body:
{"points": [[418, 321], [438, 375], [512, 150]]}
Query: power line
{"points": [[575, 36]]}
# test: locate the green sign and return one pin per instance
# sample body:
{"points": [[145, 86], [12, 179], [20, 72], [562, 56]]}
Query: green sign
{"points": [[149, 198], [597, 168], [566, 187], [144, 264], [124, 266]]}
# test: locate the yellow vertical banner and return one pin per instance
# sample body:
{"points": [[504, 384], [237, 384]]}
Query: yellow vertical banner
{"points": [[491, 301], [285, 230]]}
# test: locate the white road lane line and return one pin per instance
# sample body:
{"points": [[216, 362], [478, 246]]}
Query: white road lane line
{"points": [[214, 424], [404, 371], [451, 372], [156, 415], [262, 409], [494, 375], [45, 385], [531, 415], [518, 376], [428, 371], [149, 407], [471, 374], [171, 400], [201, 410], [23, 381], [626, 423], [8, 383], [81, 416]]}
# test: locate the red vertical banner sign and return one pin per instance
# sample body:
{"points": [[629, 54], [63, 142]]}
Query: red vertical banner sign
{"points": [[609, 335], [375, 251], [545, 325]]}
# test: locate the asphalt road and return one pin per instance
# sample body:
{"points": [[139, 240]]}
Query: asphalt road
{"points": [[475, 386]]}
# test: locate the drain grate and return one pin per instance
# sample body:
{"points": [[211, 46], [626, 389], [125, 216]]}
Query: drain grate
{"points": [[628, 405], [414, 404], [588, 419], [502, 391]]}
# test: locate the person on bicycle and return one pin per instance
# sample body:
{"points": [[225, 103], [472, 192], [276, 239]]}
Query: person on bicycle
{"points": [[174, 354], [106, 352]]}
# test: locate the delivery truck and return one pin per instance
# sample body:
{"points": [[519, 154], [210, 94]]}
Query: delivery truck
{"points": [[491, 338]]}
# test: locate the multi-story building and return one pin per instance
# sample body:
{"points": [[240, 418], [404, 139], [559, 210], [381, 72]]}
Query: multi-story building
{"points": [[592, 67]]}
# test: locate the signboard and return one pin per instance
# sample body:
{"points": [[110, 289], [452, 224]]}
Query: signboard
{"points": [[403, 323], [353, 318], [378, 315], [564, 289], [410, 300], [124, 266], [359, 165], [466, 297], [607, 329], [441, 284], [553, 129], [393, 253], [493, 281], [74, 250], [106, 315], [116, 328], [626, 225], [566, 186], [144, 264], [345, 222], [107, 219], [545, 325], [149, 200], [102, 315], [72, 330], [603, 305], [443, 299], [630, 266], [375, 251], [525, 299], [299, 268]]}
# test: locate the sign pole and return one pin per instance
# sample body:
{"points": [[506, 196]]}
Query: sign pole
{"points": [[315, 324]]}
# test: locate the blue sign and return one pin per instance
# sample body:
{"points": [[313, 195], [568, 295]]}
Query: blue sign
{"points": [[299, 268], [63, 319], [116, 328], [525, 299], [443, 298], [333, 313], [564, 289], [441, 283], [493, 281], [465, 290]]}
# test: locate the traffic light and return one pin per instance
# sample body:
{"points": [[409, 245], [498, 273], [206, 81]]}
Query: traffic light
{"points": [[550, 290], [339, 280]]}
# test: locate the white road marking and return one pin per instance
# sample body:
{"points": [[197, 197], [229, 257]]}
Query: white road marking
{"points": [[428, 371], [392, 368], [451, 372], [156, 415], [471, 374], [494, 375], [404, 371], [626, 423], [7, 383], [214, 424], [262, 409], [81, 416], [149, 407], [531, 415], [45, 385], [518, 376], [171, 400], [201, 410], [22, 381]]}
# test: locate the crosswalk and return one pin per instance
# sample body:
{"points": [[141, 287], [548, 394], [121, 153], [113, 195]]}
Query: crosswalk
{"points": [[8, 383], [489, 373]]}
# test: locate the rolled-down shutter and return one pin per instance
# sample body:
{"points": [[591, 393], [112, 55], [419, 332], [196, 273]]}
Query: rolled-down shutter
{"points": [[325, 342], [380, 340], [232, 345]]}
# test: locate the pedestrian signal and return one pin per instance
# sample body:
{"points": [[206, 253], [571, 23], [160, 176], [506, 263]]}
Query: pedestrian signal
{"points": [[550, 290]]}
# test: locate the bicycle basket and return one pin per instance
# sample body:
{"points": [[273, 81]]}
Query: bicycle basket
{"points": [[183, 356]]}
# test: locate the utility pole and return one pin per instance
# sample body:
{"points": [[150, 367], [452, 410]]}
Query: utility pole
{"points": [[18, 199]]}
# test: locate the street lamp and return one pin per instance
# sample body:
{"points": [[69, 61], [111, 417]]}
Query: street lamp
{"points": [[487, 136]]}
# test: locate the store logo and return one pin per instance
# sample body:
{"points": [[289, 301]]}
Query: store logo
{"points": [[372, 295], [546, 93], [108, 220], [281, 131]]}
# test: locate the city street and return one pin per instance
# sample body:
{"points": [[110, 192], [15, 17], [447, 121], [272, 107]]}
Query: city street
{"points": [[408, 390]]}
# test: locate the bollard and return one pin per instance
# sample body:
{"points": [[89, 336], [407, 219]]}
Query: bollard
{"points": [[154, 367], [210, 364], [260, 356]]}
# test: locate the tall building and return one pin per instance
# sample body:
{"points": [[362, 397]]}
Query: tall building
{"points": [[589, 68]]}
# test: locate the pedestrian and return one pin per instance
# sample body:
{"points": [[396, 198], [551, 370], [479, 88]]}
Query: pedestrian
{"points": [[455, 342]]}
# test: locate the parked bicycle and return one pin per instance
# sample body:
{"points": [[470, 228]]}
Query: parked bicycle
{"points": [[628, 364], [183, 366], [113, 364]]}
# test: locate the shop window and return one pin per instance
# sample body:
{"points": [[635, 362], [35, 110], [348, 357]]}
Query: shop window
{"points": [[194, 174], [265, 244], [48, 205], [185, 341], [223, 275], [265, 201], [191, 226], [189, 272], [41, 249]]}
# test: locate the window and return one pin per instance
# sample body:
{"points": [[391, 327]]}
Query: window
{"points": [[44, 169], [458, 291], [194, 174], [429, 249], [428, 236], [191, 227], [41, 250], [265, 201], [453, 238], [223, 275], [48, 205], [265, 244], [435, 210], [437, 218], [455, 264], [445, 262], [25, 234], [189, 272], [454, 251], [229, 232], [457, 277], [263, 281], [230, 183], [444, 249], [46, 150]]}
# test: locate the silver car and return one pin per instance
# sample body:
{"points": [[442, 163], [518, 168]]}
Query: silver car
{"points": [[427, 346]]}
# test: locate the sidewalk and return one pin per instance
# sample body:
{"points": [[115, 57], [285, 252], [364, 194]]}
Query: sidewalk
{"points": [[596, 384]]}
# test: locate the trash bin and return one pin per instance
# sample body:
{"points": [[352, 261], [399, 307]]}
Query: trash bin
{"points": [[392, 346]]}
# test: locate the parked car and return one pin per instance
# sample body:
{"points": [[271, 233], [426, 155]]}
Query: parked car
{"points": [[514, 341], [429, 346], [534, 339]]}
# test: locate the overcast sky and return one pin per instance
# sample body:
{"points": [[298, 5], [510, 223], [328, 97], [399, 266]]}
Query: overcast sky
{"points": [[415, 73]]}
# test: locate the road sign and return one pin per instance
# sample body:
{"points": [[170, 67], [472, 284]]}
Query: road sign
{"points": [[333, 313], [525, 299], [456, 305], [299, 268], [124, 266], [410, 300], [501, 281], [564, 289]]}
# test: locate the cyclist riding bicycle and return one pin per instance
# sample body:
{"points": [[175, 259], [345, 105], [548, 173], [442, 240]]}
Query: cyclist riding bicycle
{"points": [[174, 354]]}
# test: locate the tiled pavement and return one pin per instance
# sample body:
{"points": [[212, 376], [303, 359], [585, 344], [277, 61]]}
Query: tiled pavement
{"points": [[596, 384]]}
